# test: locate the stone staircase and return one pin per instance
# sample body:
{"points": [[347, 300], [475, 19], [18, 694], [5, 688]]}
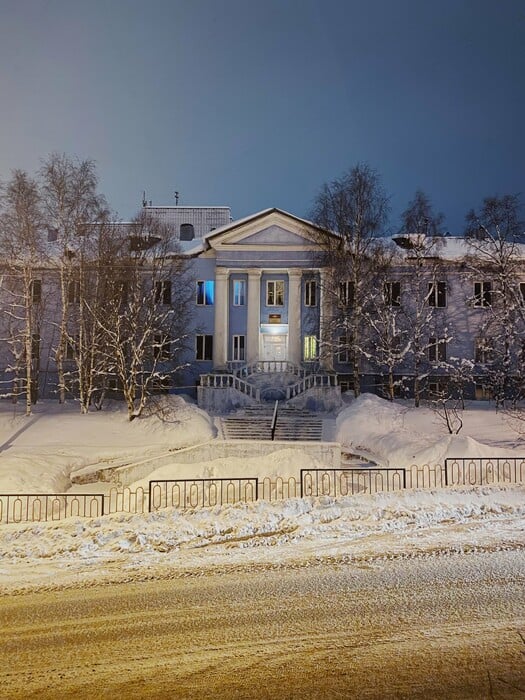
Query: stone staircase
{"points": [[255, 423]]}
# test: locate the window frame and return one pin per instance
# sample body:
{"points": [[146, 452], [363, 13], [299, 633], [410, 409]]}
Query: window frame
{"points": [[161, 346], [239, 295], [276, 294], [238, 348], [310, 348], [346, 294], [203, 288], [483, 351], [437, 291], [163, 292], [483, 298], [391, 299], [310, 293], [36, 291], [437, 350], [206, 342]]}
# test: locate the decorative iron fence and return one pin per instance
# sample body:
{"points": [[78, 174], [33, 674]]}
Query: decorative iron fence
{"points": [[201, 493], [41, 507], [481, 471], [350, 481]]}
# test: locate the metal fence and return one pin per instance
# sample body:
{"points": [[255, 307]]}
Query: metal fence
{"points": [[350, 481], [481, 471], [201, 493], [39, 507]]}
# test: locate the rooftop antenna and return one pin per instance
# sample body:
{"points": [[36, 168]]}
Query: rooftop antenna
{"points": [[176, 199], [144, 203]]}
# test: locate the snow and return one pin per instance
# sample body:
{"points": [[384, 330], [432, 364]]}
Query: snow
{"points": [[40, 453]]}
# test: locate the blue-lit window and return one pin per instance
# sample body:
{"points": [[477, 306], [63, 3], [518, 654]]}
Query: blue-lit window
{"points": [[239, 292], [205, 292]]}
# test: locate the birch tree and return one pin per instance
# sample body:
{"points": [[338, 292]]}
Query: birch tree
{"points": [[352, 210]]}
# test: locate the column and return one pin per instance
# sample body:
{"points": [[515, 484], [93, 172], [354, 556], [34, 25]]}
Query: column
{"points": [[253, 315], [220, 336], [294, 316], [326, 358]]}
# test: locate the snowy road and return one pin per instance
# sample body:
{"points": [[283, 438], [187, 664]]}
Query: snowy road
{"points": [[436, 627]]}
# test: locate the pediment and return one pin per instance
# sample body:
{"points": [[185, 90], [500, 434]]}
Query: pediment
{"points": [[271, 229]]}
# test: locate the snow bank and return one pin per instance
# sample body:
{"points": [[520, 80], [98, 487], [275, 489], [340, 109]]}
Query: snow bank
{"points": [[395, 435]]}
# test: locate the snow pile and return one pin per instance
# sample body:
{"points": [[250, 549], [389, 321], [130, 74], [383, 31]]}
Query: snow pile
{"points": [[357, 529], [40, 452], [395, 435]]}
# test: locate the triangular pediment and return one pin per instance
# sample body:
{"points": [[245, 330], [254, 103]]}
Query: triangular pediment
{"points": [[269, 229]]}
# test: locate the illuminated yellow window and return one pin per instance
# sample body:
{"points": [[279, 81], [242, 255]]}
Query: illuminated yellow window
{"points": [[310, 348]]}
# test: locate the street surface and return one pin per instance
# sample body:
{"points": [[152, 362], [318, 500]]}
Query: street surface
{"points": [[430, 627]]}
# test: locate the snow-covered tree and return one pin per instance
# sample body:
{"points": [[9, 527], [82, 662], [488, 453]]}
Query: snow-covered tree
{"points": [[352, 211]]}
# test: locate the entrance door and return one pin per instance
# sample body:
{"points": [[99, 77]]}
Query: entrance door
{"points": [[274, 347]]}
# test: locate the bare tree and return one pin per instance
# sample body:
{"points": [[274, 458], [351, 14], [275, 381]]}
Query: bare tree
{"points": [[495, 261], [21, 239], [352, 210], [74, 212], [145, 317]]}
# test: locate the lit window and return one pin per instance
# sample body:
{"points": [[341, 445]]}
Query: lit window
{"points": [[275, 293], [239, 292], [310, 348], [204, 347], [310, 293], [238, 348], [437, 294], [205, 292]]}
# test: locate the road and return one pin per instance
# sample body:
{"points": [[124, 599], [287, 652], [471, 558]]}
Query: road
{"points": [[438, 627]]}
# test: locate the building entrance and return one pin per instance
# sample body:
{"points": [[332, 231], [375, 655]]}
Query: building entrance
{"points": [[274, 348]]}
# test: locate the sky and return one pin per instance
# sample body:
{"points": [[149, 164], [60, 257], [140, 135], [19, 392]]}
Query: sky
{"points": [[255, 104]]}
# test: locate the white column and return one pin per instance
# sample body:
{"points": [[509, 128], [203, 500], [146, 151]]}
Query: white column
{"points": [[220, 336], [253, 315], [294, 316], [326, 355]]}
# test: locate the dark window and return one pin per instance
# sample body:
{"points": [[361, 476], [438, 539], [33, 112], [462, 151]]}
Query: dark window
{"points": [[36, 291], [187, 232], [161, 346], [275, 293], [343, 349], [437, 294], [437, 350], [346, 293], [71, 348], [73, 292], [483, 351], [310, 293], [52, 234], [238, 348], [204, 347], [522, 293], [163, 292], [482, 293], [393, 293], [35, 346]]}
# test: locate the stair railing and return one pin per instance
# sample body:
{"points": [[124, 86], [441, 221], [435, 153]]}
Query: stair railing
{"points": [[309, 381], [226, 381]]}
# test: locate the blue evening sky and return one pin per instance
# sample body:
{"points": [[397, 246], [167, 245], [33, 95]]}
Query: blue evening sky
{"points": [[256, 103]]}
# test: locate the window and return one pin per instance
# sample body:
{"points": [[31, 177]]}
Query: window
{"points": [[483, 351], [392, 293], [187, 232], [437, 294], [275, 293], [437, 350], [344, 354], [205, 292], [238, 348], [161, 347], [163, 292], [36, 291], [310, 348], [482, 293], [310, 293], [522, 293], [239, 292], [52, 234], [71, 348], [204, 347], [35, 346], [73, 292], [346, 293]]}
